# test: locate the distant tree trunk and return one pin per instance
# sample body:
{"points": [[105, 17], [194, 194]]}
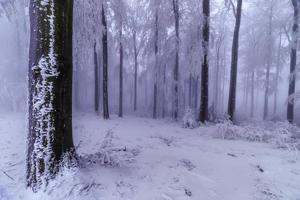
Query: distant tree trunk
{"points": [[294, 45], [196, 94], [105, 66], [203, 116], [164, 91], [217, 77], [267, 83], [156, 66], [190, 90], [96, 72], [50, 90], [252, 94], [176, 68], [121, 74], [135, 70], [277, 73], [234, 62]]}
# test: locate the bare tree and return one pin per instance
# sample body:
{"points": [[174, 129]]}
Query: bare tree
{"points": [[205, 63], [234, 59], [105, 65], [293, 57]]}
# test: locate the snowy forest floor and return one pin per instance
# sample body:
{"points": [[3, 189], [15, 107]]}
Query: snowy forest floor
{"points": [[143, 159]]}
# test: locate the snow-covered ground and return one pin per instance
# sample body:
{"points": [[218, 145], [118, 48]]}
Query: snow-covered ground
{"points": [[144, 159]]}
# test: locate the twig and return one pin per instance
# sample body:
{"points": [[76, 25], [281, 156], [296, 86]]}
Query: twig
{"points": [[7, 175]]}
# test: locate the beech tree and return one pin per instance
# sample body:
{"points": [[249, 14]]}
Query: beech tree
{"points": [[293, 61], [50, 90], [105, 64], [234, 59], [205, 62]]}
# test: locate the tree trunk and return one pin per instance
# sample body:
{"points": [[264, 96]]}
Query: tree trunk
{"points": [[156, 66], [50, 90], [277, 73], [96, 72], [294, 44], [164, 92], [121, 74], [267, 84], [105, 66], [205, 63], [176, 68], [234, 62], [252, 94], [135, 71]]}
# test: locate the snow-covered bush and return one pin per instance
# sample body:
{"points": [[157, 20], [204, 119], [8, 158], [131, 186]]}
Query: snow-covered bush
{"points": [[109, 154], [189, 119], [281, 134]]}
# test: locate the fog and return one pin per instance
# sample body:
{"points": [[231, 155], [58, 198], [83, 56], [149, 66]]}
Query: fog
{"points": [[14, 37]]}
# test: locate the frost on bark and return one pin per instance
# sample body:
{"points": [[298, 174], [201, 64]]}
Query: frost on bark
{"points": [[234, 62], [293, 62], [121, 72], [50, 90], [205, 68]]}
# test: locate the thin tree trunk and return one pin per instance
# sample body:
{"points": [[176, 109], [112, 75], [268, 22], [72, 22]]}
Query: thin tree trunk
{"points": [[164, 92], [203, 116], [252, 94], [50, 90], [105, 66], [234, 62], [96, 72], [121, 74], [267, 84], [294, 44], [176, 67], [135, 71], [277, 73], [156, 66]]}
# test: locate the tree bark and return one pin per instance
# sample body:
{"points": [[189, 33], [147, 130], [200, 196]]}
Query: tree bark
{"points": [[234, 62], [135, 70], [293, 57], [105, 66], [156, 66], [203, 116], [176, 67], [50, 90], [96, 73], [121, 73]]}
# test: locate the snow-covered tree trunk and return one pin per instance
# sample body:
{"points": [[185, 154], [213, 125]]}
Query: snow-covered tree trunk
{"points": [[176, 67], [205, 68], [234, 61], [50, 90], [105, 65], [294, 44]]}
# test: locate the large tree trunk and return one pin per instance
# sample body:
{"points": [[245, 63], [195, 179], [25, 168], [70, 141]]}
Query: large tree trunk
{"points": [[96, 73], [121, 74], [176, 67], [50, 90], [269, 63], [205, 63], [105, 66], [294, 44], [234, 62]]}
